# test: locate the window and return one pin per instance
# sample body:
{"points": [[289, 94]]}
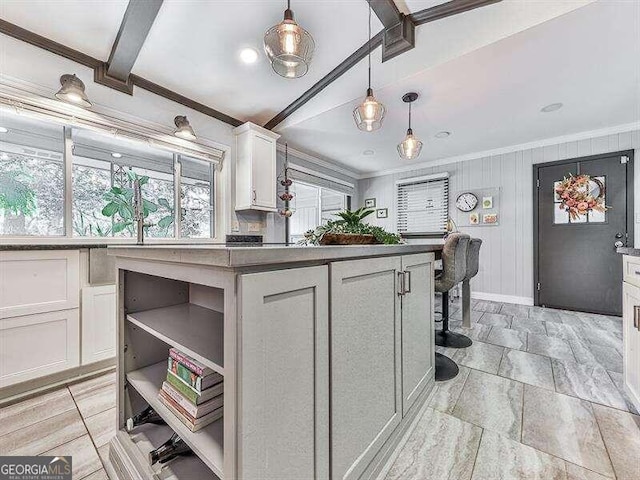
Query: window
{"points": [[562, 217], [312, 206], [42, 163], [423, 205], [196, 198], [32, 185]]}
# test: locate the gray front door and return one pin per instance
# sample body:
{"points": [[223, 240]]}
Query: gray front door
{"points": [[577, 264]]}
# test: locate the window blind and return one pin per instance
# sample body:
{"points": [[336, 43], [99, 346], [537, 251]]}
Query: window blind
{"points": [[423, 205]]}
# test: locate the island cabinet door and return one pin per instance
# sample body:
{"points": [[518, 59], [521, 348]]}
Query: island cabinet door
{"points": [[418, 352], [631, 325], [283, 371], [366, 398]]}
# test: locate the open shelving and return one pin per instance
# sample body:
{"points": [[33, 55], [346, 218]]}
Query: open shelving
{"points": [[206, 443], [194, 330]]}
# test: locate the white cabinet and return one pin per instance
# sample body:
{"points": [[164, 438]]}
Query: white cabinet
{"points": [[255, 168], [38, 281], [283, 386], [98, 323], [631, 320], [418, 355], [40, 344]]}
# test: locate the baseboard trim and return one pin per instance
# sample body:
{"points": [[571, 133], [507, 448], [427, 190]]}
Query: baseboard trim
{"points": [[38, 386], [496, 297]]}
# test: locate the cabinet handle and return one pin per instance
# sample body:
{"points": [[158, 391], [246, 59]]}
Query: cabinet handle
{"points": [[253, 200], [636, 317], [401, 284], [407, 277], [637, 272]]}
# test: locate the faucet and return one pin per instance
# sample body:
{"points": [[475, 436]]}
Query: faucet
{"points": [[138, 211]]}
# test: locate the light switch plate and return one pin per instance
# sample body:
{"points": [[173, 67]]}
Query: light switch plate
{"points": [[236, 226], [254, 226]]}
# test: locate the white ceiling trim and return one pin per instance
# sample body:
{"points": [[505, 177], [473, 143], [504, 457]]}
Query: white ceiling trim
{"points": [[318, 161], [574, 137]]}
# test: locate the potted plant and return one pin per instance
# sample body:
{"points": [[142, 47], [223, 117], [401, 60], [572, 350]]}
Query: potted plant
{"points": [[350, 230]]}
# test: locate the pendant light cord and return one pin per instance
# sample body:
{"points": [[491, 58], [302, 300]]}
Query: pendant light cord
{"points": [[369, 43], [410, 115]]}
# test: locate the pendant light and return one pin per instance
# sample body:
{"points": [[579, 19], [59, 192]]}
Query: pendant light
{"points": [[289, 47], [72, 91], [410, 147], [370, 113], [183, 129]]}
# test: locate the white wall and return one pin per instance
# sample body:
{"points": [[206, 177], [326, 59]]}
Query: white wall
{"points": [[506, 263]]}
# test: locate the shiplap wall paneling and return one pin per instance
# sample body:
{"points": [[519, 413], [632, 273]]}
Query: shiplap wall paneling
{"points": [[506, 257]]}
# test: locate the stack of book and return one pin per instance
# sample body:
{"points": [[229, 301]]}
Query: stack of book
{"points": [[192, 391]]}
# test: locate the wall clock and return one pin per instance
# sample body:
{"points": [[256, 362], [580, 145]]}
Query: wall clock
{"points": [[466, 202]]}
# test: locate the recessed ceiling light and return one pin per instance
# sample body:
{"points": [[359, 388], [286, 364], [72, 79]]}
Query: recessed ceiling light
{"points": [[116, 155], [248, 55], [4, 129], [368, 152], [551, 108], [442, 134]]}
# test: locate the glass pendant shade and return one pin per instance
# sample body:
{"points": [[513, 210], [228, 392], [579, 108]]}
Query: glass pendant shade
{"points": [[289, 47], [369, 114], [72, 91], [410, 147], [183, 129]]}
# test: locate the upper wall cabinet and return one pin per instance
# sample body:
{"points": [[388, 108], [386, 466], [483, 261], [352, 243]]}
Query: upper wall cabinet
{"points": [[255, 168]]}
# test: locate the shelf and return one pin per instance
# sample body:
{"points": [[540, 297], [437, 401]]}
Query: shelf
{"points": [[192, 329], [206, 443], [149, 437]]}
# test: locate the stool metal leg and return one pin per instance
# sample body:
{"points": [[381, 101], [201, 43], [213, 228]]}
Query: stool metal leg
{"points": [[466, 304], [446, 338], [446, 369]]}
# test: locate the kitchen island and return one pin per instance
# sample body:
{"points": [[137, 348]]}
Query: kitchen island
{"points": [[327, 355]]}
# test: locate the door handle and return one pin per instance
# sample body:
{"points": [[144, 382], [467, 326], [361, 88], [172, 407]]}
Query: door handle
{"points": [[407, 277], [636, 317], [618, 244], [401, 284]]}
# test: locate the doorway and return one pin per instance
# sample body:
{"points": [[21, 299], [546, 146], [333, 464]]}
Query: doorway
{"points": [[576, 266]]}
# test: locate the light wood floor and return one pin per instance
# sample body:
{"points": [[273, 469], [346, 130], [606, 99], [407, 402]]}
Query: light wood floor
{"points": [[78, 420]]}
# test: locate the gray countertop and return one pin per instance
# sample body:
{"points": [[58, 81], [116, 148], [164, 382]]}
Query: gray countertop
{"points": [[243, 256], [49, 246], [634, 252]]}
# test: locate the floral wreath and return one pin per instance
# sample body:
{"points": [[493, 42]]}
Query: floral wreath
{"points": [[576, 196]]}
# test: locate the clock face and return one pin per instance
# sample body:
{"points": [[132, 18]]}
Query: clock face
{"points": [[466, 202]]}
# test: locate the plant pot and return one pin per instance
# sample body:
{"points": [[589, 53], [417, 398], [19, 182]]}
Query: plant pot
{"points": [[347, 239]]}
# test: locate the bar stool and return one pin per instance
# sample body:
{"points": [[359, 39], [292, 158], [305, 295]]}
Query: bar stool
{"points": [[454, 269], [473, 263]]}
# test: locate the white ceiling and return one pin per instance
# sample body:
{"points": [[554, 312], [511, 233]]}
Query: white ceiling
{"points": [[87, 26], [483, 74], [588, 59], [202, 63]]}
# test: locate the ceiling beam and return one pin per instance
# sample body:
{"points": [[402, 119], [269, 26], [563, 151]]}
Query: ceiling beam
{"points": [[386, 11], [135, 26], [454, 7], [427, 15], [34, 39], [327, 80]]}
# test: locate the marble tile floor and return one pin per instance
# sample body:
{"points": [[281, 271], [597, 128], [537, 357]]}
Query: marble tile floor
{"points": [[76, 420], [539, 396]]}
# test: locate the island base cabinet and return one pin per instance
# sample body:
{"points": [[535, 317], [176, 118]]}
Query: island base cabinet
{"points": [[631, 320], [418, 353], [283, 406], [366, 401]]}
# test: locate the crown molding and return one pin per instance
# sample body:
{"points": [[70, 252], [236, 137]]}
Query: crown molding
{"points": [[627, 127], [320, 162]]}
